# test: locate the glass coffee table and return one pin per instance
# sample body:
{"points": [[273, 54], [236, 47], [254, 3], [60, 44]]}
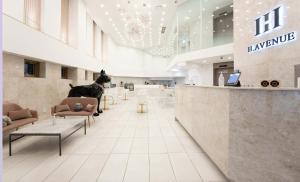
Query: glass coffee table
{"points": [[61, 128]]}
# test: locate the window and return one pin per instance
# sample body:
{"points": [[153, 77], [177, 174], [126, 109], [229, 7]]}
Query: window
{"points": [[31, 68], [94, 38], [33, 13], [95, 76], [64, 73], [86, 75], [64, 20]]}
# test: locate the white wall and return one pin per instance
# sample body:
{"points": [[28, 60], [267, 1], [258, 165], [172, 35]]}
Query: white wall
{"points": [[14, 8], [124, 61], [37, 45], [82, 53], [98, 43], [51, 17]]}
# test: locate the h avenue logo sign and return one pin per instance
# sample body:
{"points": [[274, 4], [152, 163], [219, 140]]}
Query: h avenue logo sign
{"points": [[266, 24], [269, 21]]}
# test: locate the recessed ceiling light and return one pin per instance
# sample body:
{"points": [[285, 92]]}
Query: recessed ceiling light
{"points": [[163, 13], [106, 13], [164, 5], [102, 5], [118, 5]]}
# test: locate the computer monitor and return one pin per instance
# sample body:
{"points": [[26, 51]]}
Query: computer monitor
{"points": [[234, 79]]}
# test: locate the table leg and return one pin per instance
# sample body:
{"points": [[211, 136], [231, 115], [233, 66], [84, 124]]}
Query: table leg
{"points": [[59, 143], [9, 144], [85, 126]]}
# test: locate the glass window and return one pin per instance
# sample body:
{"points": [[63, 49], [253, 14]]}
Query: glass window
{"points": [[31, 68], [64, 73], [202, 24], [33, 13], [64, 20]]}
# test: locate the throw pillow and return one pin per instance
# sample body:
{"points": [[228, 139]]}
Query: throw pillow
{"points": [[61, 108], [7, 120], [4, 124], [89, 108], [77, 107], [19, 114]]}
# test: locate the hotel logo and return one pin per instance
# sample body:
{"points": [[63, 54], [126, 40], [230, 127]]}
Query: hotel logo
{"points": [[265, 24], [269, 21]]}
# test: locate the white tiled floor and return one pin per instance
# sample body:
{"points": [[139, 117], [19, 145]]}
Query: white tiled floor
{"points": [[121, 146]]}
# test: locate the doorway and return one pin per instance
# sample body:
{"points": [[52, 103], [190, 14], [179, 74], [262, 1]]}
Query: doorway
{"points": [[226, 68]]}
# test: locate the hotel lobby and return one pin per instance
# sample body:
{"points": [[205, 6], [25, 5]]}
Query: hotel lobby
{"points": [[150, 91]]}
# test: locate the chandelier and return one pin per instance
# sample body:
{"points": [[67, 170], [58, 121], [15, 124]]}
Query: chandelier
{"points": [[135, 22]]}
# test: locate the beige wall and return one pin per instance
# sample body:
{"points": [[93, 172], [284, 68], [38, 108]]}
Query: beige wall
{"points": [[273, 63], [253, 140], [37, 93]]}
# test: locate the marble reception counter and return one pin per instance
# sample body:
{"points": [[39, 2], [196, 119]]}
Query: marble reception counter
{"points": [[251, 134]]}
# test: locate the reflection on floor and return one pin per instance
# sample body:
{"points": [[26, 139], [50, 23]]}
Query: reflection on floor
{"points": [[121, 146]]}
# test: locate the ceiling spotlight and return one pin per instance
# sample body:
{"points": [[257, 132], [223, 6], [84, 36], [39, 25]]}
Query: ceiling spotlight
{"points": [[118, 5], [106, 13], [164, 5], [102, 5]]}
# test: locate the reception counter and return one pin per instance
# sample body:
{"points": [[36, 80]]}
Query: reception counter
{"points": [[251, 134]]}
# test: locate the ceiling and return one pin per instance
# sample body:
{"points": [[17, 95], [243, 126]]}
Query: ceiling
{"points": [[149, 25]]}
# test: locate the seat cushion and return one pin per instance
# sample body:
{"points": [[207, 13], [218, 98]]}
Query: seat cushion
{"points": [[19, 114], [71, 113], [61, 108], [18, 123]]}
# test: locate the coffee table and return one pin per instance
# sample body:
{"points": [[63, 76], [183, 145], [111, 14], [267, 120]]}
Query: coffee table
{"points": [[61, 128]]}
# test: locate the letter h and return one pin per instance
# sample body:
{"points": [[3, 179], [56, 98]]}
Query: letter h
{"points": [[266, 19]]}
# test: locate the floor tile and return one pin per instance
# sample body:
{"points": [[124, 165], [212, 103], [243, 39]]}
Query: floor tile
{"points": [[183, 168], [123, 145], [206, 168], [140, 146], [157, 145], [91, 169], [114, 168], [161, 169], [137, 168], [67, 169]]}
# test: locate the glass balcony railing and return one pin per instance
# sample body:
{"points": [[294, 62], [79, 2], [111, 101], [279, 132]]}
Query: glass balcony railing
{"points": [[201, 24]]}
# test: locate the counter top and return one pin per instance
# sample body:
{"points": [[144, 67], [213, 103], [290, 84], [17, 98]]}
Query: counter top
{"points": [[247, 88], [249, 133]]}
